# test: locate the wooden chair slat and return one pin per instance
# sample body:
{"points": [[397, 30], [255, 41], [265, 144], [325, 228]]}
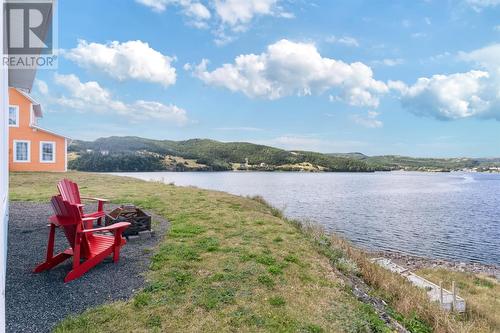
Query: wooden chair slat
{"points": [[71, 193], [83, 245]]}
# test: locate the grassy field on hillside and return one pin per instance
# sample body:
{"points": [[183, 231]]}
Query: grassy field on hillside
{"points": [[227, 264], [234, 264], [482, 293]]}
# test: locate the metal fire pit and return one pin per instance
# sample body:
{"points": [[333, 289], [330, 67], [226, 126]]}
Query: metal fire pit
{"points": [[139, 220]]}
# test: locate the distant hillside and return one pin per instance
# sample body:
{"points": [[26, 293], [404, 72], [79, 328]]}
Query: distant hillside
{"points": [[139, 154], [395, 162]]}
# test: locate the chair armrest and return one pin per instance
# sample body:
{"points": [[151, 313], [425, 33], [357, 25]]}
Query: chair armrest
{"points": [[116, 226], [95, 199], [89, 219]]}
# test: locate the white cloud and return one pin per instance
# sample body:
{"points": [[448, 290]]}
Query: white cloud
{"points": [[191, 7], [156, 5], [439, 57], [230, 12], [41, 87], [288, 68], [236, 12], [478, 5], [134, 60], [235, 16], [447, 97], [90, 96], [369, 120], [345, 40], [398, 86], [389, 62], [487, 57], [475, 93], [225, 17], [198, 10]]}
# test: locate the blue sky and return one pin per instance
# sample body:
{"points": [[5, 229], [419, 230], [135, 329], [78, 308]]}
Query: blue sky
{"points": [[416, 78]]}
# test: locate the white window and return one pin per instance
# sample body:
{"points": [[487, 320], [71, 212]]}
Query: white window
{"points": [[47, 152], [22, 151], [13, 116]]}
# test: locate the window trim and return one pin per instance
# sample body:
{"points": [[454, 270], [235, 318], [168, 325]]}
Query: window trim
{"points": [[17, 115], [53, 143], [14, 157]]}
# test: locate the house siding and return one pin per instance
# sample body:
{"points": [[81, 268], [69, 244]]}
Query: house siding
{"points": [[27, 133]]}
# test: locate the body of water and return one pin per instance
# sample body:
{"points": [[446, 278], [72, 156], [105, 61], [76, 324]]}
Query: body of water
{"points": [[453, 216]]}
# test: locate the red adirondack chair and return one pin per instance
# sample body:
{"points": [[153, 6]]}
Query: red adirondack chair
{"points": [[85, 244], [70, 193]]}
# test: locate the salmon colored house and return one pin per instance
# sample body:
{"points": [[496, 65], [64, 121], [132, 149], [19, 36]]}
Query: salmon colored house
{"points": [[32, 148]]}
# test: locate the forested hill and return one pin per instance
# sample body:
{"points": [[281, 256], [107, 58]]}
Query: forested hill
{"points": [[139, 154], [396, 162]]}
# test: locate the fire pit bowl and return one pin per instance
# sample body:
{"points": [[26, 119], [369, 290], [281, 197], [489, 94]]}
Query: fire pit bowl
{"points": [[138, 219]]}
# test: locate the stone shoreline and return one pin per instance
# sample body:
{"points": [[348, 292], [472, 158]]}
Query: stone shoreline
{"points": [[414, 263]]}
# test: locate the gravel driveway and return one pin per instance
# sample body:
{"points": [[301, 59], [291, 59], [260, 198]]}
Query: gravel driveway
{"points": [[36, 302]]}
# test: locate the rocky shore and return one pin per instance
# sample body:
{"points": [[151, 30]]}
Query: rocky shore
{"points": [[414, 263]]}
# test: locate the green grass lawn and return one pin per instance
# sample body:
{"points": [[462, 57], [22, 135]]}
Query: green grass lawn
{"points": [[228, 264], [234, 264]]}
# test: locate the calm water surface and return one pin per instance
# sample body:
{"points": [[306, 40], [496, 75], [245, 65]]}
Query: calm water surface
{"points": [[450, 216]]}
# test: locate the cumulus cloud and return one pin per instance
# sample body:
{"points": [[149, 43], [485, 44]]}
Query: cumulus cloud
{"points": [[90, 96], [446, 97], [235, 16], [226, 15], [475, 93], [237, 12], [287, 68], [132, 60], [487, 57]]}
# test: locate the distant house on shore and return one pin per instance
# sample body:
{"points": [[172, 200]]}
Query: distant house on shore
{"points": [[32, 148]]}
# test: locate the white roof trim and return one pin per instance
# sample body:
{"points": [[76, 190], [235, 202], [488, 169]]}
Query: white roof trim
{"points": [[37, 108], [50, 132], [32, 100]]}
